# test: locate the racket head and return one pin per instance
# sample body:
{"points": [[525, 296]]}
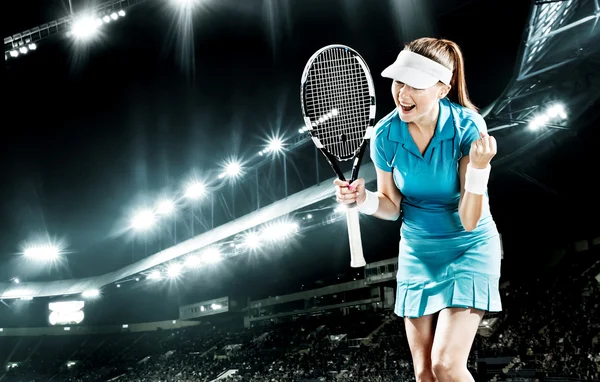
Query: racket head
{"points": [[338, 100]]}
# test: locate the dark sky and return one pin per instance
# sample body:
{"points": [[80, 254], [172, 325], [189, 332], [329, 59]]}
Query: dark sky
{"points": [[91, 132]]}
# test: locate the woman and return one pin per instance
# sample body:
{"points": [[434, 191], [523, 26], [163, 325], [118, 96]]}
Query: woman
{"points": [[432, 156]]}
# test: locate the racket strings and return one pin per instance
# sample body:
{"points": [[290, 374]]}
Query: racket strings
{"points": [[338, 101], [344, 137], [352, 70]]}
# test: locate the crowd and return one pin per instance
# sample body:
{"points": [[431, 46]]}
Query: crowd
{"points": [[549, 330]]}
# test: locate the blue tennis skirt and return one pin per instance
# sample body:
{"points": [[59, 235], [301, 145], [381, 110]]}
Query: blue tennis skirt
{"points": [[438, 273]]}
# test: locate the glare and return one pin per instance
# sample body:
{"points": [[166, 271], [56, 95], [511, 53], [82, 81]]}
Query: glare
{"points": [[553, 114], [192, 261], [42, 252], [279, 231], [184, 4], [274, 145], [155, 275], [165, 207], [195, 190], [143, 220], [212, 256], [174, 270], [341, 209], [85, 27], [90, 293], [252, 240], [233, 169]]}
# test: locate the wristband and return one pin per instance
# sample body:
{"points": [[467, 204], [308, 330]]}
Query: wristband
{"points": [[476, 179], [371, 203]]}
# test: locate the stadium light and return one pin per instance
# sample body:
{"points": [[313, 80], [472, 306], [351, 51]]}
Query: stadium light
{"points": [[143, 220], [252, 240], [192, 261], [274, 145], [85, 27], [174, 270], [233, 169], [278, 231], [90, 293], [212, 256], [42, 252], [195, 190], [554, 113], [165, 207], [184, 4], [155, 275]]}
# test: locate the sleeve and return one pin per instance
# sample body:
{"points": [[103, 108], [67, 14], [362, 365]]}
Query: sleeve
{"points": [[472, 133], [377, 150]]}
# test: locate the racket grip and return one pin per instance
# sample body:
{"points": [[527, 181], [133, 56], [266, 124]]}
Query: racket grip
{"points": [[357, 258]]}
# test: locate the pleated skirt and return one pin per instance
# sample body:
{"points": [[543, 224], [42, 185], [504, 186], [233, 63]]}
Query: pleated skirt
{"points": [[438, 273]]}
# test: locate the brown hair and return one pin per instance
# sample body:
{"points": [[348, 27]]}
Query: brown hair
{"points": [[447, 53]]}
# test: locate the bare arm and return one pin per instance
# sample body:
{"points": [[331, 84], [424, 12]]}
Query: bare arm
{"points": [[470, 206], [389, 196]]}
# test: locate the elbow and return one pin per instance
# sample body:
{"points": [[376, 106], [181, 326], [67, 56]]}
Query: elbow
{"points": [[469, 227], [390, 216], [396, 215], [469, 224]]}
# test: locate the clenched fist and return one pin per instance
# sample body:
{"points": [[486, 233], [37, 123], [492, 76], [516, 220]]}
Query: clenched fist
{"points": [[482, 151], [349, 193]]}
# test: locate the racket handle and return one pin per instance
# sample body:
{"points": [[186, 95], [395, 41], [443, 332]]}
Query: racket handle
{"points": [[357, 258]]}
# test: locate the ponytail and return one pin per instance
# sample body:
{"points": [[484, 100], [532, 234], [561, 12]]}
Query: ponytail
{"points": [[447, 53], [458, 90]]}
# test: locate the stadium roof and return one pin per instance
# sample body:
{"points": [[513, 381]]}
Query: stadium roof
{"points": [[558, 62]]}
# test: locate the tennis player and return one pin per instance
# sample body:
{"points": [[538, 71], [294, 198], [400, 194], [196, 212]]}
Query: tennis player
{"points": [[432, 156]]}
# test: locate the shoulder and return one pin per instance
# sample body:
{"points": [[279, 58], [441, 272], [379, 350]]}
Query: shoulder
{"points": [[384, 138], [382, 127], [468, 123], [467, 119]]}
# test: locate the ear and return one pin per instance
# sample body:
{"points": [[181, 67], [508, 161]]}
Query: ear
{"points": [[444, 90]]}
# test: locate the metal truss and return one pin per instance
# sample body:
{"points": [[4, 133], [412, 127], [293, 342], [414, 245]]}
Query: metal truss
{"points": [[62, 25], [558, 62]]}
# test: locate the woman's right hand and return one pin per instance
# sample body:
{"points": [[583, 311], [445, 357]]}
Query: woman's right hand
{"points": [[349, 193]]}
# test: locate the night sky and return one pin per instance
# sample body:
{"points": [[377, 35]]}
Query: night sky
{"points": [[93, 131]]}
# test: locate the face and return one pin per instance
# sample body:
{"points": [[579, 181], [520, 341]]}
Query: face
{"points": [[415, 105]]}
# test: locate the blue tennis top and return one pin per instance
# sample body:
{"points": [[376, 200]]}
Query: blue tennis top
{"points": [[430, 183]]}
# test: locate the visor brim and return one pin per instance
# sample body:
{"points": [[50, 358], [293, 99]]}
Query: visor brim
{"points": [[410, 76]]}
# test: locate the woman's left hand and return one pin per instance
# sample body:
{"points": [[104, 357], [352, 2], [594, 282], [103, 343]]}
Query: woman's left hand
{"points": [[482, 151]]}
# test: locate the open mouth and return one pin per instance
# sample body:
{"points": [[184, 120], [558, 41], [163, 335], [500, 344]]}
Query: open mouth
{"points": [[407, 108]]}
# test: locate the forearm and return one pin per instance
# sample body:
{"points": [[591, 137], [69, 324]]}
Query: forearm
{"points": [[386, 209], [471, 209], [473, 196]]}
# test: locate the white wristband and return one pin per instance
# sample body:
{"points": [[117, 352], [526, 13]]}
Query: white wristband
{"points": [[371, 203], [476, 179]]}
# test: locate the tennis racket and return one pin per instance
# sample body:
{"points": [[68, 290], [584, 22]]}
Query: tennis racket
{"points": [[338, 106]]}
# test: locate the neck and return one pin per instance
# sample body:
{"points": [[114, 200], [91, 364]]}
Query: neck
{"points": [[427, 123]]}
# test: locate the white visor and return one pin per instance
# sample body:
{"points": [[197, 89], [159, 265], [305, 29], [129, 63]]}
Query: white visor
{"points": [[417, 71]]}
